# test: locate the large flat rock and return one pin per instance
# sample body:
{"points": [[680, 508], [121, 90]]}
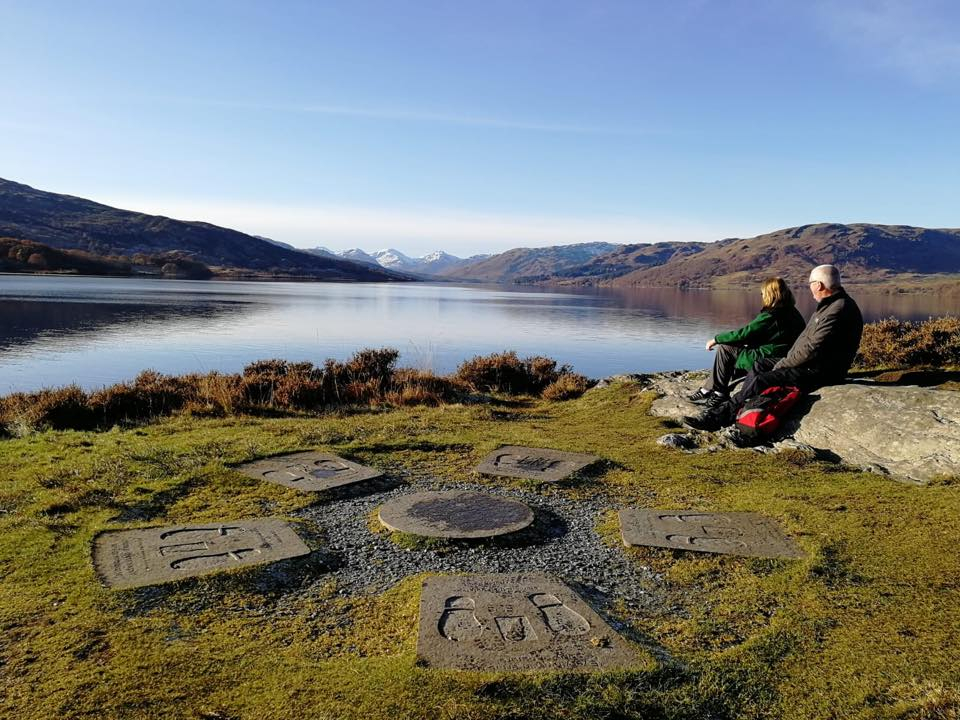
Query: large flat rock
{"points": [[911, 433], [514, 622]]}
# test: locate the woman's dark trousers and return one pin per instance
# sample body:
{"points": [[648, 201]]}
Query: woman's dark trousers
{"points": [[725, 369]]}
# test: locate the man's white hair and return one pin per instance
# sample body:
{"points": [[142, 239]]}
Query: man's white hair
{"points": [[827, 274]]}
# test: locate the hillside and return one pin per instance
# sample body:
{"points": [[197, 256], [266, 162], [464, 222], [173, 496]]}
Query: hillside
{"points": [[529, 264], [865, 253], [67, 222], [895, 256], [26, 256], [628, 258]]}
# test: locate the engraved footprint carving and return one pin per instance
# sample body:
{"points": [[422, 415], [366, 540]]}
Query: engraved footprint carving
{"points": [[203, 533], [212, 560], [459, 621], [558, 617], [290, 473], [328, 468]]}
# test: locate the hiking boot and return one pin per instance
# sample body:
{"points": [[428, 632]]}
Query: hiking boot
{"points": [[714, 399], [711, 420], [700, 396]]}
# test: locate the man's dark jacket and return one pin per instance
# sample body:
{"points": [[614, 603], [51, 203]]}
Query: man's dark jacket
{"points": [[825, 350]]}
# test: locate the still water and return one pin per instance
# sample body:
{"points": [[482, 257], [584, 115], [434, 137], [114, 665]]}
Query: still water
{"points": [[97, 331]]}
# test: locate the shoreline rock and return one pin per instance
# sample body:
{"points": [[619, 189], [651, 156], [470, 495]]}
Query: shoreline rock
{"points": [[907, 432]]}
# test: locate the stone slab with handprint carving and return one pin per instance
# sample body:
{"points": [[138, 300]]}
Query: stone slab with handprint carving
{"points": [[732, 533], [514, 622], [534, 463], [148, 556], [309, 471]]}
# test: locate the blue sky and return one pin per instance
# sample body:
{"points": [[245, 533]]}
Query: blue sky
{"points": [[480, 126]]}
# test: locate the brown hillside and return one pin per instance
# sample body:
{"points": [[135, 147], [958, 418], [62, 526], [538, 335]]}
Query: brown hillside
{"points": [[864, 253], [529, 264]]}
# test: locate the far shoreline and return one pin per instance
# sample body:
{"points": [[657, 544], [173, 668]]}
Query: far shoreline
{"points": [[947, 283]]}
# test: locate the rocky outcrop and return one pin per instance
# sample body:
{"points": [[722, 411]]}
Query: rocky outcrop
{"points": [[908, 432]]}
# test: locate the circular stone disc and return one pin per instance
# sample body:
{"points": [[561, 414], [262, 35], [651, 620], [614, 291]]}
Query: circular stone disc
{"points": [[455, 514]]}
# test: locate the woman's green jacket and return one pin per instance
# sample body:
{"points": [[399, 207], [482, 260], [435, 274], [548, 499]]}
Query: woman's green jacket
{"points": [[769, 334]]}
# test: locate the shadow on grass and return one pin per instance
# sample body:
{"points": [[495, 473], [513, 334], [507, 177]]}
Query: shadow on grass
{"points": [[157, 503]]}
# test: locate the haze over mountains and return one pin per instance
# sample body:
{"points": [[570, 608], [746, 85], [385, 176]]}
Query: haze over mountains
{"points": [[866, 253]]}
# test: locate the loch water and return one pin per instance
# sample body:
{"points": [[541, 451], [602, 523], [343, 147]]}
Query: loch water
{"points": [[57, 330]]}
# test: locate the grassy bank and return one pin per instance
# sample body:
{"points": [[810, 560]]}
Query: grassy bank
{"points": [[866, 626]]}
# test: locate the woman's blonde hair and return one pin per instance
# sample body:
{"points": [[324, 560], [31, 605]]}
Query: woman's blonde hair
{"points": [[776, 294]]}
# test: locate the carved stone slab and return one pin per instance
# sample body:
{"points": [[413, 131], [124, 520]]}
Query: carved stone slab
{"points": [[455, 514], [514, 622], [534, 463], [148, 556], [309, 471], [733, 533]]}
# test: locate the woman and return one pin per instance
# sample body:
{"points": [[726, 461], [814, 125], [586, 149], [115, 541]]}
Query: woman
{"points": [[769, 335]]}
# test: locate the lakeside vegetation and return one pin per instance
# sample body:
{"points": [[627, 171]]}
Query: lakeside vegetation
{"points": [[273, 387], [865, 626], [370, 379]]}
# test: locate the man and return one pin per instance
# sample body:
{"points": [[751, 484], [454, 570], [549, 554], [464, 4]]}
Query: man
{"points": [[822, 354]]}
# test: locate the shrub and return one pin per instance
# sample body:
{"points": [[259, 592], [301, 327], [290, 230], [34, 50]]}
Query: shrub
{"points": [[566, 387], [420, 387], [150, 395], [506, 372], [893, 343], [59, 409], [372, 366]]}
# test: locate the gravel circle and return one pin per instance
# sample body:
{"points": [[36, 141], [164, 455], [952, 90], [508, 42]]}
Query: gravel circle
{"points": [[562, 542]]}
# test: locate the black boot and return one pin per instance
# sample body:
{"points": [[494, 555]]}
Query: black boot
{"points": [[713, 419]]}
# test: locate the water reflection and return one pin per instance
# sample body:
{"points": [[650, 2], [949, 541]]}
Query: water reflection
{"points": [[96, 331]]}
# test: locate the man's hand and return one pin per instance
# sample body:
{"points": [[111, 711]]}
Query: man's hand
{"points": [[711, 343]]}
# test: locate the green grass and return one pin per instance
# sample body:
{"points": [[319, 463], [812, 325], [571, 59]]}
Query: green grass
{"points": [[866, 626]]}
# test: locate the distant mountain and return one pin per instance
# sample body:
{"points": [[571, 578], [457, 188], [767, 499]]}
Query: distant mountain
{"points": [[863, 252], [394, 259], [439, 261], [391, 259], [359, 256], [67, 222], [529, 264], [628, 258], [319, 250]]}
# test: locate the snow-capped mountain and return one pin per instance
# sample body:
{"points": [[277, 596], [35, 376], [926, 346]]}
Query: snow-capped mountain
{"points": [[396, 260], [438, 261], [392, 259], [358, 255], [320, 250]]}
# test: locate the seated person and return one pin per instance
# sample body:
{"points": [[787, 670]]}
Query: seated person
{"points": [[822, 354], [769, 335]]}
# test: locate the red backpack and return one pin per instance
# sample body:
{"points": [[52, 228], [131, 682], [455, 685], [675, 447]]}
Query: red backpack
{"points": [[762, 414]]}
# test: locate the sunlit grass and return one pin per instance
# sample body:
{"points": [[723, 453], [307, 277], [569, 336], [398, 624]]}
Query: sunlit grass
{"points": [[866, 625]]}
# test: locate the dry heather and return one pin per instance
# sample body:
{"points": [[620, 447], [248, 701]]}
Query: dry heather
{"points": [[892, 343], [277, 386]]}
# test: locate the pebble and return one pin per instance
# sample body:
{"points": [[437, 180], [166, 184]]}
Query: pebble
{"points": [[562, 542]]}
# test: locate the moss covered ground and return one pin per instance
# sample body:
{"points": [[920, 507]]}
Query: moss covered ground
{"points": [[866, 626]]}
